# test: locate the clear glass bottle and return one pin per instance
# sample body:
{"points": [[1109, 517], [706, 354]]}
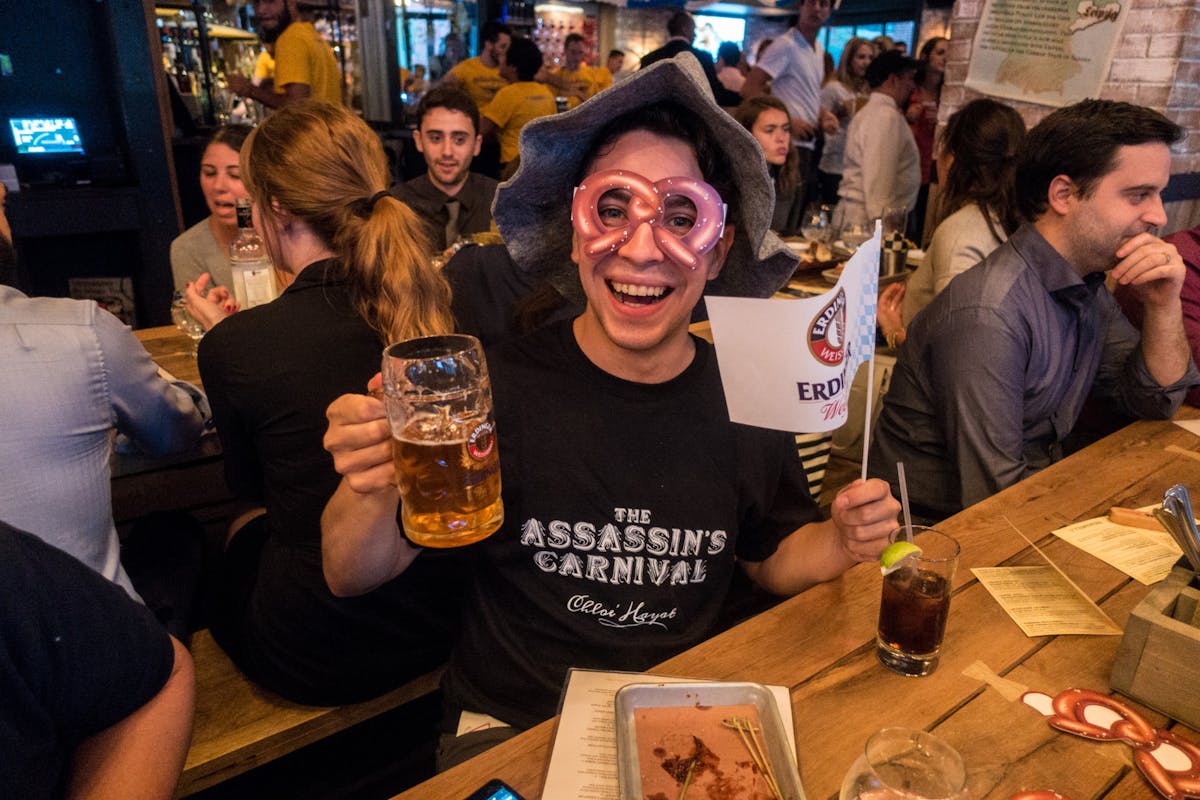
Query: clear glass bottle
{"points": [[253, 276]]}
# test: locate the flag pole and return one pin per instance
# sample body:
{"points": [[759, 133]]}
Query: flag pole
{"points": [[867, 412], [870, 370]]}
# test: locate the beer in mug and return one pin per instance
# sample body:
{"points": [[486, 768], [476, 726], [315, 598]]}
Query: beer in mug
{"points": [[439, 406]]}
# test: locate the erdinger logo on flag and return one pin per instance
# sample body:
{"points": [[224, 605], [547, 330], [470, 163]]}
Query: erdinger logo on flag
{"points": [[788, 364], [827, 336]]}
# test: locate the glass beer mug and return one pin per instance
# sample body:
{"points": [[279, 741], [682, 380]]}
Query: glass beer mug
{"points": [[439, 407]]}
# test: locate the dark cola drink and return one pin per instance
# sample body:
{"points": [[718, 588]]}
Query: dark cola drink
{"points": [[912, 620]]}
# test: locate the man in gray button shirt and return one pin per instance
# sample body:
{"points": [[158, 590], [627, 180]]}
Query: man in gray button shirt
{"points": [[995, 371]]}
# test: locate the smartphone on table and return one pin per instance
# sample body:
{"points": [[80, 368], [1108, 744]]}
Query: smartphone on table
{"points": [[494, 789]]}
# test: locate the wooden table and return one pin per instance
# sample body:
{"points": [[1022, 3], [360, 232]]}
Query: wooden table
{"points": [[820, 644], [190, 480], [172, 351]]}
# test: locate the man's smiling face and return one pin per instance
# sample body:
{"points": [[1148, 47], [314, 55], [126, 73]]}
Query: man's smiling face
{"points": [[640, 300]]}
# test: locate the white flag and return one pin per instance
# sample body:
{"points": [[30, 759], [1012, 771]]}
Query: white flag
{"points": [[788, 364]]}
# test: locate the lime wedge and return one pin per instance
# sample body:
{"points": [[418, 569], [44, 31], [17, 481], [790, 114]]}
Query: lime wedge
{"points": [[893, 556]]}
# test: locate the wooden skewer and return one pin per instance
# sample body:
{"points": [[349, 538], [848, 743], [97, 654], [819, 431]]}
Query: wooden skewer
{"points": [[749, 737], [687, 779]]}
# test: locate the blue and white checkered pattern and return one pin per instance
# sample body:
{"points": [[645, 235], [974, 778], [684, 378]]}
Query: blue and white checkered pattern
{"points": [[862, 328]]}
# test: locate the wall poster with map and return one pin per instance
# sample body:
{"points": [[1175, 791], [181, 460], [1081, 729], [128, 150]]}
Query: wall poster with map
{"points": [[1052, 52]]}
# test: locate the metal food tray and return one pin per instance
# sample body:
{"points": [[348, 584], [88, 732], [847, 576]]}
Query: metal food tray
{"points": [[656, 695]]}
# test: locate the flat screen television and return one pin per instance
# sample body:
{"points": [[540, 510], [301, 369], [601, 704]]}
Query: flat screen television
{"points": [[33, 136]]}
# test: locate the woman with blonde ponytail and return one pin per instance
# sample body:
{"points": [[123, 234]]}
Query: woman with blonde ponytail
{"points": [[362, 278]]}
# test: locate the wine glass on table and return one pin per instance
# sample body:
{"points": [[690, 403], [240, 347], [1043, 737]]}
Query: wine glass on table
{"points": [[905, 764], [854, 232], [185, 322], [814, 225]]}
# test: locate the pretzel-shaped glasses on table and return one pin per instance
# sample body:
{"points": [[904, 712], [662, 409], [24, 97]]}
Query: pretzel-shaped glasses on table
{"points": [[609, 206]]}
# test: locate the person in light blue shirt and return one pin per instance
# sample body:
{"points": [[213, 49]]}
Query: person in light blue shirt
{"points": [[74, 373]]}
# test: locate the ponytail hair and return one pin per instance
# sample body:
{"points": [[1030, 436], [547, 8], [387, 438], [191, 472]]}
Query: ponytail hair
{"points": [[324, 166]]}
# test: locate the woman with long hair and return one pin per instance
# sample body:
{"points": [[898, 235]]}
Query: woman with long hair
{"points": [[922, 114], [844, 94], [976, 210], [204, 248], [362, 279], [767, 118]]}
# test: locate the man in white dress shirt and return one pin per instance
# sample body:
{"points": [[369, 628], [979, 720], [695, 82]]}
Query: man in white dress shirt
{"points": [[882, 165]]}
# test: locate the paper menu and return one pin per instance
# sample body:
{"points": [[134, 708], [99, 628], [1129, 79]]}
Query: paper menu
{"points": [[1144, 555], [583, 756], [1043, 602], [1189, 425]]}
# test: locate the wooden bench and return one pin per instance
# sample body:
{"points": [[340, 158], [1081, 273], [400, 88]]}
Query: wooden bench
{"points": [[240, 725]]}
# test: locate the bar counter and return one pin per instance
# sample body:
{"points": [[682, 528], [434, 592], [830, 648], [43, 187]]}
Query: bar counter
{"points": [[820, 644]]}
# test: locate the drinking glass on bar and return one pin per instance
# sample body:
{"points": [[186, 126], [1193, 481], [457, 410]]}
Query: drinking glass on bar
{"points": [[853, 226], [915, 604], [905, 764], [814, 225], [185, 322], [439, 406]]}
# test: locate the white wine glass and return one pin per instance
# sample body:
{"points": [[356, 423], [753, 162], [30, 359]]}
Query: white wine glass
{"points": [[905, 764], [854, 233], [814, 225], [185, 322]]}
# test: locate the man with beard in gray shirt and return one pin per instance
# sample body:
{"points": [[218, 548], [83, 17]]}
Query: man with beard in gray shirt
{"points": [[995, 371]]}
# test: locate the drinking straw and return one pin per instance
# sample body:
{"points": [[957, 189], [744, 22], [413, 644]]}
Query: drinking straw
{"points": [[908, 536]]}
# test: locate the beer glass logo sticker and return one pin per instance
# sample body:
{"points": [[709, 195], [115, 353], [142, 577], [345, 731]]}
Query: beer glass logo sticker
{"points": [[482, 441], [827, 334]]}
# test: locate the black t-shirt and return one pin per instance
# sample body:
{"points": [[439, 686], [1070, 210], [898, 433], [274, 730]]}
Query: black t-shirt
{"points": [[76, 657], [625, 506], [490, 291]]}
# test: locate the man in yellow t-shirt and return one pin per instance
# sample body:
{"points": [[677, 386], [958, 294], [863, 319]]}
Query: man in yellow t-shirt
{"points": [[517, 103], [604, 75], [305, 65], [575, 80], [480, 76], [264, 66]]}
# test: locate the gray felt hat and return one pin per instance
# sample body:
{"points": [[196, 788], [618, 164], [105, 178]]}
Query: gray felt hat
{"points": [[533, 208]]}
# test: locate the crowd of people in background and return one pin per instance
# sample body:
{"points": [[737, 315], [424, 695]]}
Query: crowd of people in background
{"points": [[820, 98], [1001, 336]]}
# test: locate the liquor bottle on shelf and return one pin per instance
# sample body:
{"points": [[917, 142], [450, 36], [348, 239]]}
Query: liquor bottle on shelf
{"points": [[253, 276]]}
